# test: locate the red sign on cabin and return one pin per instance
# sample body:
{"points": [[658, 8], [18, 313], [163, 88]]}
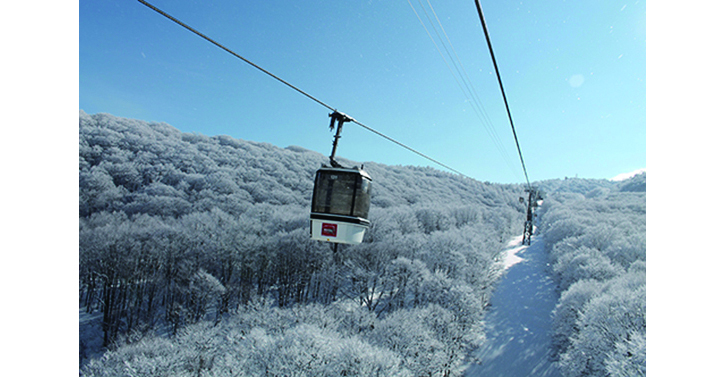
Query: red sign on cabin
{"points": [[329, 230]]}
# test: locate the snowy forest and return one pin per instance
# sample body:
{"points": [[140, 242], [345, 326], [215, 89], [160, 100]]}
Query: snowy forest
{"points": [[196, 260], [594, 233]]}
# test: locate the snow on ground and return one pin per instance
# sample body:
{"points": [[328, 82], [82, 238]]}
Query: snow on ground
{"points": [[518, 324], [514, 248]]}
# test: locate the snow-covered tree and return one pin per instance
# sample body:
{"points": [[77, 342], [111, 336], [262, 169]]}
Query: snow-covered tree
{"points": [[596, 244], [185, 234]]}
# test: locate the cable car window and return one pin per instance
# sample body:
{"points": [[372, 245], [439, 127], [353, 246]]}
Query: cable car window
{"points": [[334, 193], [362, 198]]}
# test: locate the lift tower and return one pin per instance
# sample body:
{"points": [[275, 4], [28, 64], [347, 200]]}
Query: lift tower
{"points": [[533, 197]]}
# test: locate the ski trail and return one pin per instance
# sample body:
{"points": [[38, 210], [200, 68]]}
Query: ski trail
{"points": [[518, 324], [511, 254]]}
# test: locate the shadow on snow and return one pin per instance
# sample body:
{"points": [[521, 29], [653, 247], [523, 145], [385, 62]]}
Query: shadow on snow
{"points": [[519, 322]]}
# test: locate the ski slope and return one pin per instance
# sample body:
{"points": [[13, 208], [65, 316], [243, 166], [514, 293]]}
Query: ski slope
{"points": [[518, 324]]}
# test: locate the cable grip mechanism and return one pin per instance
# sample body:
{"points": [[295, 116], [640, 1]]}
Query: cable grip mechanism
{"points": [[340, 118]]}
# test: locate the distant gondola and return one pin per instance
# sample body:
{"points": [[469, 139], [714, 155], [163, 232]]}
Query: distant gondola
{"points": [[340, 205]]}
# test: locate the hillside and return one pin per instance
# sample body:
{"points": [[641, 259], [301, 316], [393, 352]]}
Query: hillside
{"points": [[595, 240], [195, 259], [196, 248], [573, 303]]}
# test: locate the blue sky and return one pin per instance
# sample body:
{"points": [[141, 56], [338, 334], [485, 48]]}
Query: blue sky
{"points": [[574, 74]]}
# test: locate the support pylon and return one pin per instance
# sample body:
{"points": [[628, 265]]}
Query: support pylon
{"points": [[527, 233]]}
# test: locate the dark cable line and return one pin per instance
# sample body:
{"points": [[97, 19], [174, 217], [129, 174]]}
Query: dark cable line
{"points": [[490, 127], [294, 87], [502, 89], [410, 149], [471, 94], [233, 53]]}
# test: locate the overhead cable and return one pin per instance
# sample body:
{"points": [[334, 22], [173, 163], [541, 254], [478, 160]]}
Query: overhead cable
{"points": [[489, 125], [233, 53], [502, 89], [467, 88], [294, 87], [408, 148]]}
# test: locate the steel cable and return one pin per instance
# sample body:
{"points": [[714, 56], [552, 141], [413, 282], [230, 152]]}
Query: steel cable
{"points": [[294, 87], [502, 88]]}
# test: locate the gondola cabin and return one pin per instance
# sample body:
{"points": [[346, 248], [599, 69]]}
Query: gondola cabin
{"points": [[340, 205]]}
